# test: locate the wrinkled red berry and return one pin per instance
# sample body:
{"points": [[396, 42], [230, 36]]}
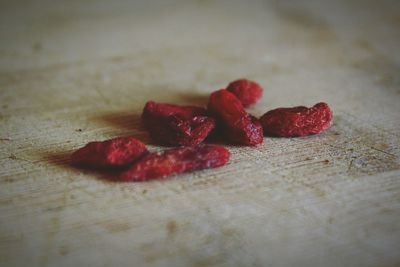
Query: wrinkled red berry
{"points": [[154, 109], [177, 125], [248, 92], [176, 160], [297, 121], [117, 152], [240, 127]]}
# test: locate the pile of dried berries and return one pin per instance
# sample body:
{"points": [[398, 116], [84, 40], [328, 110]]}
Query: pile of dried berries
{"points": [[188, 126]]}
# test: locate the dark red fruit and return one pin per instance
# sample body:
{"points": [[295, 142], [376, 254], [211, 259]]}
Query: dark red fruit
{"points": [[248, 92], [154, 109], [176, 160], [177, 125], [117, 152], [297, 121], [239, 126]]}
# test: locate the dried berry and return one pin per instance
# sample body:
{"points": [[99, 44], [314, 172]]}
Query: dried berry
{"points": [[177, 125], [297, 121], [117, 152], [239, 126], [153, 110], [248, 92], [176, 160]]}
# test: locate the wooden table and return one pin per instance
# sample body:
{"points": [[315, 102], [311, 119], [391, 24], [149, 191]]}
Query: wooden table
{"points": [[76, 71]]}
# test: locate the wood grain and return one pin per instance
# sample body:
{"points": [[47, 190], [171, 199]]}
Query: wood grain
{"points": [[73, 72]]}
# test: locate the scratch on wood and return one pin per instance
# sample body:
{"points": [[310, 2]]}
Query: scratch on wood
{"points": [[350, 165], [382, 151]]}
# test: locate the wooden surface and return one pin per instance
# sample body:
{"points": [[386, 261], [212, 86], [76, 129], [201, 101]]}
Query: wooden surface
{"points": [[77, 71]]}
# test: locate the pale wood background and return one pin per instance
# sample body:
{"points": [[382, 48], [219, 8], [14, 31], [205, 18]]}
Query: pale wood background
{"points": [[77, 71]]}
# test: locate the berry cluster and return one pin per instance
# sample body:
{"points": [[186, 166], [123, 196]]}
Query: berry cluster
{"points": [[188, 126]]}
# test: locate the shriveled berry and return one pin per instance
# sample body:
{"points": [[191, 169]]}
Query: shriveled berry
{"points": [[236, 124], [117, 152], [177, 125], [248, 92], [153, 110], [297, 121], [176, 160]]}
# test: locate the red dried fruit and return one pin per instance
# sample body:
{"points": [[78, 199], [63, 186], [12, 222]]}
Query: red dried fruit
{"points": [[177, 125], [176, 160], [153, 109], [239, 126], [248, 92], [117, 152], [297, 121]]}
